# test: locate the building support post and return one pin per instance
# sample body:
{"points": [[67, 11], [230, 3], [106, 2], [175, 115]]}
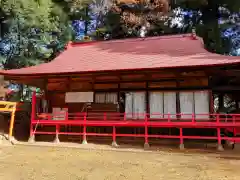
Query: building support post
{"points": [[56, 140], [114, 142], [84, 141], [32, 133], [10, 135], [181, 146], [221, 101], [146, 144], [219, 145]]}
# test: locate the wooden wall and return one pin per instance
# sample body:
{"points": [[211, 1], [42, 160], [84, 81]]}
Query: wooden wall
{"points": [[148, 81]]}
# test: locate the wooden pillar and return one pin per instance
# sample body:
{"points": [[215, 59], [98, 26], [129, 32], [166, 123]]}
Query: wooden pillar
{"points": [[33, 115], [12, 121], [178, 99], [211, 100], [93, 89], [237, 104], [69, 83], [118, 92], [46, 96], [147, 98], [220, 101]]}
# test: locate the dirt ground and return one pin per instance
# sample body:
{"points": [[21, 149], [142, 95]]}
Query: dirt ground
{"points": [[41, 163]]}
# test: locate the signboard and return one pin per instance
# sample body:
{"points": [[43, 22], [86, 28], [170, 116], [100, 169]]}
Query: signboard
{"points": [[76, 97], [59, 113]]}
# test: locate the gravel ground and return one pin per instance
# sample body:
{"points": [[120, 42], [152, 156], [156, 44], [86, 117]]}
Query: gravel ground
{"points": [[41, 163]]}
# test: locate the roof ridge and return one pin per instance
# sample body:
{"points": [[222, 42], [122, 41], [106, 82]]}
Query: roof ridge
{"points": [[72, 44]]}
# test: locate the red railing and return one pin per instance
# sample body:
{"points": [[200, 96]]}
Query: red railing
{"points": [[144, 121]]}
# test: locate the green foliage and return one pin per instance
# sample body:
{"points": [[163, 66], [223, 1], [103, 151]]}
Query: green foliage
{"points": [[210, 29], [30, 13], [35, 31]]}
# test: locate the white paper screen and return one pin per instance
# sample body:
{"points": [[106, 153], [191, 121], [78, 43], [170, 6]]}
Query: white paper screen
{"points": [[139, 105], [170, 105], [186, 104], [156, 104], [135, 106], [73, 97], [201, 104], [129, 105], [106, 98]]}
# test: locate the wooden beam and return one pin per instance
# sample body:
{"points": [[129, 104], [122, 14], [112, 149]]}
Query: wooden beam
{"points": [[135, 80], [226, 88], [144, 89]]}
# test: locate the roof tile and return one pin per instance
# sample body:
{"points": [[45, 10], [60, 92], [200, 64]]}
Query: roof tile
{"points": [[132, 54]]}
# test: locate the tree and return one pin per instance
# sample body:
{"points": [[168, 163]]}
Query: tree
{"points": [[210, 28], [31, 29], [127, 17]]}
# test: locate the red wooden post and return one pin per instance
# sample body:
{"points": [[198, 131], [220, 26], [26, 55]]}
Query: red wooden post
{"points": [[105, 116], [218, 118], [146, 144], [181, 146], [169, 117], [33, 114], [84, 129], [193, 118], [114, 142], [234, 129], [233, 118], [219, 147], [57, 132], [66, 116], [68, 127]]}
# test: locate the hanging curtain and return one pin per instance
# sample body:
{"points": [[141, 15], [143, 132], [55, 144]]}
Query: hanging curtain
{"points": [[186, 104], [100, 98], [135, 105], [129, 105], [139, 105], [170, 105], [106, 98], [111, 98], [44, 106], [201, 99], [156, 104]]}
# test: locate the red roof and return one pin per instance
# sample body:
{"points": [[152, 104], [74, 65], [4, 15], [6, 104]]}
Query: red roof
{"points": [[132, 54]]}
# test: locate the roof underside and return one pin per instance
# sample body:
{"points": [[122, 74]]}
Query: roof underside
{"points": [[132, 54]]}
